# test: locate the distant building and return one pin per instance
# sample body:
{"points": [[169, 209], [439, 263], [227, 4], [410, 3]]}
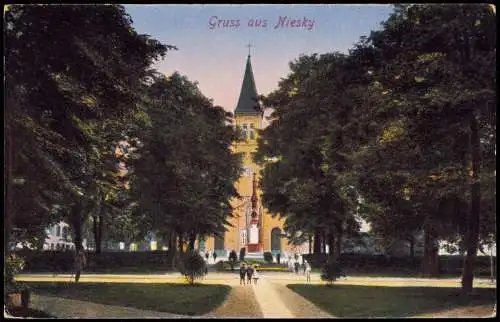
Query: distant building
{"points": [[59, 238]]}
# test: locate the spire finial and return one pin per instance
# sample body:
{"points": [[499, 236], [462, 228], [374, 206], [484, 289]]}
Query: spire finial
{"points": [[248, 48]]}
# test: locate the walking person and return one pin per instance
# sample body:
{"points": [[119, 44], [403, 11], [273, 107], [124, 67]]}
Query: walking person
{"points": [[79, 264], [307, 271], [214, 256], [207, 255], [249, 274], [243, 272], [255, 275]]}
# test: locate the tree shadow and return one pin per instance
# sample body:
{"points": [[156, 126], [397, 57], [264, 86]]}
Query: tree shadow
{"points": [[390, 302], [184, 299]]}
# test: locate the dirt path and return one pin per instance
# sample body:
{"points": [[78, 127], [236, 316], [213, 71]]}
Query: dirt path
{"points": [[299, 306], [241, 302]]}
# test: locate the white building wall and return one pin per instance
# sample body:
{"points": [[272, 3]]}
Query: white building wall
{"points": [[55, 239]]}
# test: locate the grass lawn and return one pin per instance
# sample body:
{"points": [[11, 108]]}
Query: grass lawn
{"points": [[183, 299], [389, 302]]}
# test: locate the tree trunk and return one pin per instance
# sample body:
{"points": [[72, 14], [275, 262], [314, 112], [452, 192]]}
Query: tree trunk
{"points": [[473, 218], [412, 247], [95, 230], [77, 223], [172, 249], [338, 245], [317, 242], [310, 244], [181, 243], [323, 243], [330, 238], [8, 212], [98, 242], [192, 240], [430, 261]]}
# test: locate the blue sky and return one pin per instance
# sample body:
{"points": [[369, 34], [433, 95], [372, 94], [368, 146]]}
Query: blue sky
{"points": [[215, 57]]}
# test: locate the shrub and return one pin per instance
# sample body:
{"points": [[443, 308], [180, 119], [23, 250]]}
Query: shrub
{"points": [[242, 254], [232, 259], [268, 257], [13, 265], [192, 266], [331, 271]]}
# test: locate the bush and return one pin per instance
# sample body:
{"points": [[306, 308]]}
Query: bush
{"points": [[13, 265], [232, 259], [192, 265], [268, 257], [242, 254], [330, 271]]}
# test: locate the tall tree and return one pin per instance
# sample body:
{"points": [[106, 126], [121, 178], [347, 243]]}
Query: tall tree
{"points": [[185, 173], [65, 106], [309, 142], [435, 85]]}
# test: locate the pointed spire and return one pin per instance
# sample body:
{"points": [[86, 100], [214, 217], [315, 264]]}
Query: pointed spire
{"points": [[248, 103], [254, 192]]}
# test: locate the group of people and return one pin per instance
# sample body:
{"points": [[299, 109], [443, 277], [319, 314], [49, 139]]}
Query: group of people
{"points": [[250, 272], [207, 255], [305, 268]]}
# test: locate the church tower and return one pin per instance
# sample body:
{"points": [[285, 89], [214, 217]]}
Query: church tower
{"points": [[251, 227]]}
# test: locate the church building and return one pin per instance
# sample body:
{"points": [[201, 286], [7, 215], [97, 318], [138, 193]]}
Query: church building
{"points": [[253, 227]]}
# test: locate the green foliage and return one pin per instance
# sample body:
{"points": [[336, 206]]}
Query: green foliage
{"points": [[330, 271], [306, 173], [268, 257], [183, 171], [63, 130], [13, 265], [242, 254], [192, 266]]}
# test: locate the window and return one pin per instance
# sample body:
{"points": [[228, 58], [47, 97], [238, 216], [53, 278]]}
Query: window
{"points": [[244, 131], [243, 236], [58, 231], [252, 132], [247, 171]]}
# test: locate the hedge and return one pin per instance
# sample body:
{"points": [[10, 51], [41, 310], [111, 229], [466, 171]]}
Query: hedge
{"points": [[448, 264], [62, 261]]}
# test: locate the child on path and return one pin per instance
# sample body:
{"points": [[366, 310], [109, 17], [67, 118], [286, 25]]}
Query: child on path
{"points": [[249, 274], [255, 275], [243, 272], [80, 262], [307, 271]]}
